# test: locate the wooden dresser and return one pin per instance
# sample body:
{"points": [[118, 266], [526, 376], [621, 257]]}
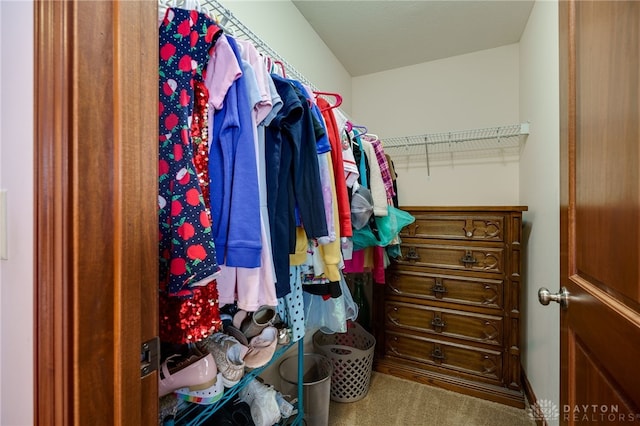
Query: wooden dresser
{"points": [[449, 314]]}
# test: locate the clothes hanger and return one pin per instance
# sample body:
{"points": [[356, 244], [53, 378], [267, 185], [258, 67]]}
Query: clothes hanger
{"points": [[206, 9], [183, 4], [350, 126], [363, 128], [335, 95], [266, 61], [191, 5], [163, 5], [284, 73]]}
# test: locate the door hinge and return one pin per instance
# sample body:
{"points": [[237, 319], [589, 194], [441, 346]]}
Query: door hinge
{"points": [[149, 356]]}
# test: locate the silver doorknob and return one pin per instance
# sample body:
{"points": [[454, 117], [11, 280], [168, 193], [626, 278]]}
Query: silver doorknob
{"points": [[545, 296]]}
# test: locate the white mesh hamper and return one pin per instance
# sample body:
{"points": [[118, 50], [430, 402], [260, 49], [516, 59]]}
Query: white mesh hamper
{"points": [[351, 356]]}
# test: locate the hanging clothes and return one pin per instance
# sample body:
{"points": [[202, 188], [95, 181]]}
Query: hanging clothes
{"points": [[342, 195], [187, 253], [253, 287], [293, 182], [385, 171], [234, 179], [376, 184], [188, 294], [329, 248], [323, 148]]}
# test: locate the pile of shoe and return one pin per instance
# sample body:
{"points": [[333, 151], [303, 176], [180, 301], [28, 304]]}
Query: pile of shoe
{"points": [[256, 331], [249, 341], [259, 411]]}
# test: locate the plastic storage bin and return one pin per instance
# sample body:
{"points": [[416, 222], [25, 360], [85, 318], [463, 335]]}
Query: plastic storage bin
{"points": [[351, 356]]}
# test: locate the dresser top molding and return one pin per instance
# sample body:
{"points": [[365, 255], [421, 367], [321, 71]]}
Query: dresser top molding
{"points": [[465, 208]]}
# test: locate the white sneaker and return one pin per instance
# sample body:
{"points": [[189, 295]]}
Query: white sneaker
{"points": [[262, 401]]}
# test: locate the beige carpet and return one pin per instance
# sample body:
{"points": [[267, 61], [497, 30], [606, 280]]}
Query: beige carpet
{"points": [[395, 401]]}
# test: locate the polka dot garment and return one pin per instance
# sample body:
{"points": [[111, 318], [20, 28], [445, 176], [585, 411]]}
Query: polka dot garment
{"points": [[187, 251]]}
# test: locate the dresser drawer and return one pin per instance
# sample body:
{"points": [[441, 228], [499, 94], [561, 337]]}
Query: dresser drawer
{"points": [[487, 329], [475, 227], [486, 293], [454, 257], [465, 359]]}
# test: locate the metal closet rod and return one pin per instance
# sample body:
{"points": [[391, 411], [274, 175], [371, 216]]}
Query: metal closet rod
{"points": [[458, 136], [233, 25]]}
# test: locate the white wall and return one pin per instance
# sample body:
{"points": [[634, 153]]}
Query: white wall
{"points": [[16, 176], [539, 189], [506, 85], [284, 29], [472, 91]]}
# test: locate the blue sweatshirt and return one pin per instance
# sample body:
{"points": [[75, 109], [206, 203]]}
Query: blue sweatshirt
{"points": [[235, 202]]}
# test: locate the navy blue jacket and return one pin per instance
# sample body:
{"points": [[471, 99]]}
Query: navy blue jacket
{"points": [[293, 179]]}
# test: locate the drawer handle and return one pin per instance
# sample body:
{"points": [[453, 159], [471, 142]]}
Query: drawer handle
{"points": [[391, 347], [437, 354], [438, 323], [394, 289], [438, 289], [468, 259], [412, 254], [392, 319]]}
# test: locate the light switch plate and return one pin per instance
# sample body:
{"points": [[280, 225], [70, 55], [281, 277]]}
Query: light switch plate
{"points": [[3, 225]]}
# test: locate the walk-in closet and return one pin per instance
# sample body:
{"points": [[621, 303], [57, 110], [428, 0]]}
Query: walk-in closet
{"points": [[224, 212]]}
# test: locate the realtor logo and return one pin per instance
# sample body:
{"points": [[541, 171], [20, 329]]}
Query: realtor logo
{"points": [[543, 409]]}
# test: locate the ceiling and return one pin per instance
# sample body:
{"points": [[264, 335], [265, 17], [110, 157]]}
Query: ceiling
{"points": [[374, 36]]}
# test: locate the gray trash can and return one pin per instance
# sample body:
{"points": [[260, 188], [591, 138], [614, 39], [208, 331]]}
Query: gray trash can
{"points": [[316, 380]]}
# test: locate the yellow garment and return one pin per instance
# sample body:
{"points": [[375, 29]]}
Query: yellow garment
{"points": [[331, 253], [300, 256]]}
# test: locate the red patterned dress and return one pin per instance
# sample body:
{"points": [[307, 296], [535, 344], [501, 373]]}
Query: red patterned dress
{"points": [[188, 293]]}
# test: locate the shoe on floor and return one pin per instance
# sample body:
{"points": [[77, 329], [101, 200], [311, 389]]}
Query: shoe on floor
{"points": [[237, 334], [253, 324], [262, 400], [261, 348], [206, 396], [228, 354], [196, 372]]}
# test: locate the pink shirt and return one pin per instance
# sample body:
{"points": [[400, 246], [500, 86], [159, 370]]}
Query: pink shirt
{"points": [[222, 70]]}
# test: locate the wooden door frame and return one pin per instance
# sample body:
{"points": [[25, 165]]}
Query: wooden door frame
{"points": [[567, 60], [95, 263]]}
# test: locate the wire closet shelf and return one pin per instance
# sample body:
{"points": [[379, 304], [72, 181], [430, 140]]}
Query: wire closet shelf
{"points": [[488, 142]]}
